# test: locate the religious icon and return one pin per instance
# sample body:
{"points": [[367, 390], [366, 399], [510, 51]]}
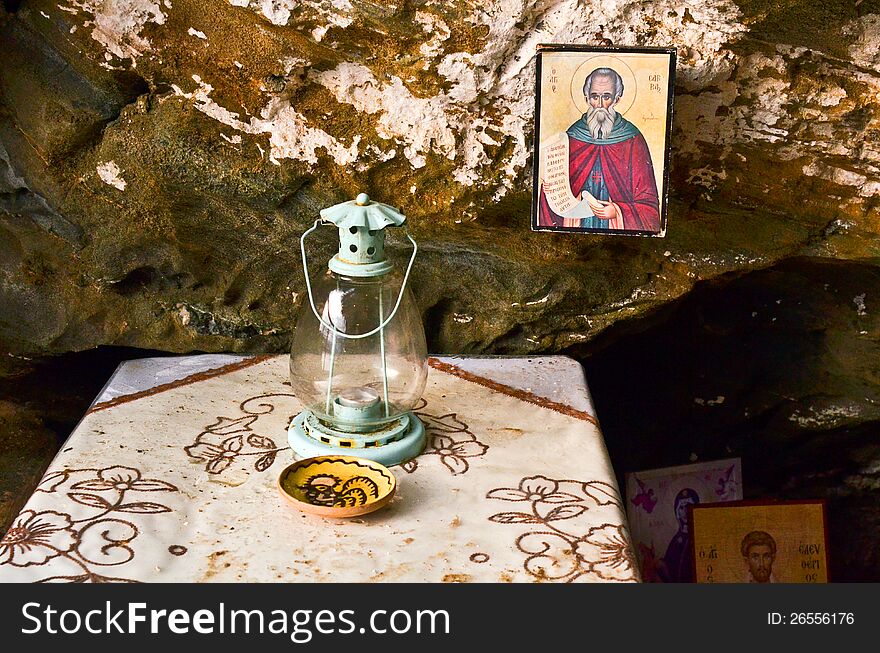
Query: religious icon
{"points": [[760, 542], [657, 508], [603, 119]]}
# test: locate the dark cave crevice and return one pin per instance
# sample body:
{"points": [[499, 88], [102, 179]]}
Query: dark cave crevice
{"points": [[780, 367]]}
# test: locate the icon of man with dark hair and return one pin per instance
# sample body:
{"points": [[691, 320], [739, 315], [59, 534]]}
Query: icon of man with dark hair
{"points": [[759, 551], [678, 561], [609, 159]]}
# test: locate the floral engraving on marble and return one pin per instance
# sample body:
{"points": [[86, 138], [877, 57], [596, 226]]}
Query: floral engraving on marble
{"points": [[448, 437], [230, 438], [78, 546], [561, 549], [222, 442]]}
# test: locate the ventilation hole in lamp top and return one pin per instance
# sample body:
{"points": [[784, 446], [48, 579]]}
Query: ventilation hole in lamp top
{"points": [[353, 248], [353, 230], [371, 250]]}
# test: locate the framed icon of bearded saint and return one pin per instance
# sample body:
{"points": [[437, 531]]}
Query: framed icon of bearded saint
{"points": [[759, 541], [603, 119]]}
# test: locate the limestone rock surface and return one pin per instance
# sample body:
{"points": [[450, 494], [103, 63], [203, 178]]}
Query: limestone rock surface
{"points": [[159, 160]]}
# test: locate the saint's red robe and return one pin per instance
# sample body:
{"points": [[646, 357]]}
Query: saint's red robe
{"points": [[629, 176]]}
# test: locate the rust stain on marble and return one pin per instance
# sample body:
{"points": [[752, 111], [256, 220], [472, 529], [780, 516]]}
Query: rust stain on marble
{"points": [[522, 395], [192, 378], [215, 564]]}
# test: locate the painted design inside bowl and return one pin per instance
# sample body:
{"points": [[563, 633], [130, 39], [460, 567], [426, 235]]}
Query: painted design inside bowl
{"points": [[337, 483]]}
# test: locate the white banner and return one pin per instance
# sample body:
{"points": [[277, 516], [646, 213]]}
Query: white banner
{"points": [[557, 188]]}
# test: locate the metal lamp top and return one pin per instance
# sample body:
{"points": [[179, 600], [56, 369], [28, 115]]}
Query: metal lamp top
{"points": [[363, 212], [361, 253], [361, 223]]}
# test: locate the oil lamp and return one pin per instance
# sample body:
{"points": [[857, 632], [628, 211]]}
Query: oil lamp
{"points": [[358, 360]]}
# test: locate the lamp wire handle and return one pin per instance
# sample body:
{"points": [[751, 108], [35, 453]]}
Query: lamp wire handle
{"points": [[302, 242]]}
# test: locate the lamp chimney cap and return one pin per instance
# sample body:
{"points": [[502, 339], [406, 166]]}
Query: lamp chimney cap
{"points": [[363, 212]]}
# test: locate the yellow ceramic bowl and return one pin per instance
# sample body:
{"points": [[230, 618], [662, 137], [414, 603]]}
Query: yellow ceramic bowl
{"points": [[337, 486]]}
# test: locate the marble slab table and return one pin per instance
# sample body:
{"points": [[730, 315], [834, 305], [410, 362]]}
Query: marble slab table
{"points": [[171, 476]]}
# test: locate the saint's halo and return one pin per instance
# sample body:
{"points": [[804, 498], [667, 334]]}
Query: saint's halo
{"points": [[603, 61]]}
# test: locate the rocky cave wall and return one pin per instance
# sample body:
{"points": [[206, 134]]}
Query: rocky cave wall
{"points": [[159, 160]]}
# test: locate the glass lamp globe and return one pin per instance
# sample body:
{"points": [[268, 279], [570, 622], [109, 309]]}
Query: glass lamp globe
{"points": [[358, 359]]}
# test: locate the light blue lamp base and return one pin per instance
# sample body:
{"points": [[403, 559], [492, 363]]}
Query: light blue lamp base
{"points": [[399, 451]]}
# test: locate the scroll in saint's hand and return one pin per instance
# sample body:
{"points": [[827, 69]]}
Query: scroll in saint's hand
{"points": [[556, 185]]}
